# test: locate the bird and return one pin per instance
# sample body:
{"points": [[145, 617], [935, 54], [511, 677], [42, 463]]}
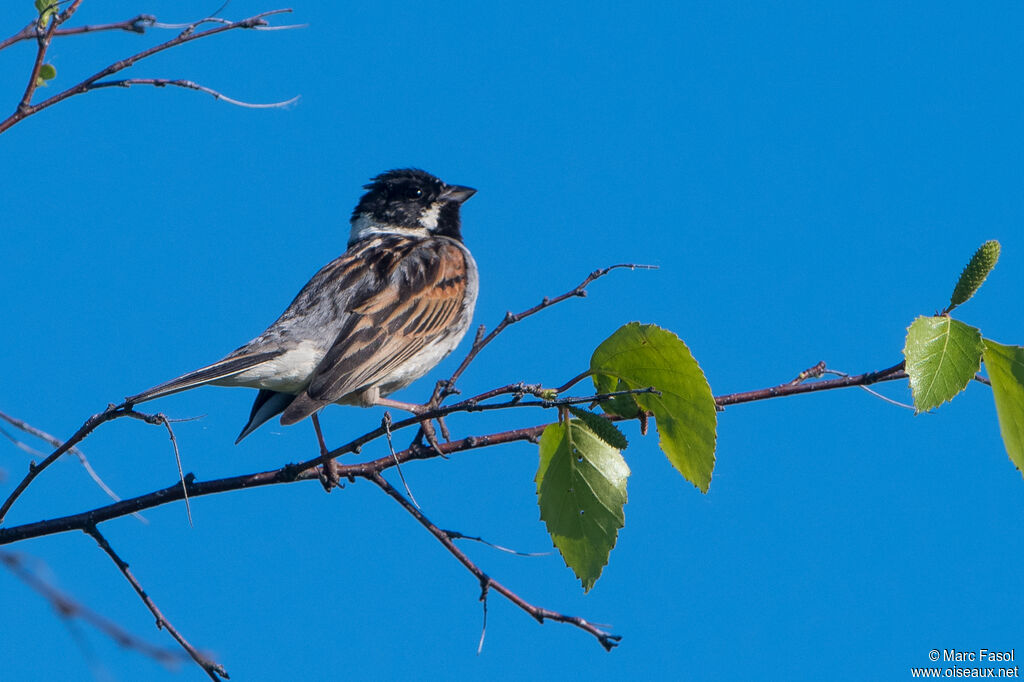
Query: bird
{"points": [[370, 322]]}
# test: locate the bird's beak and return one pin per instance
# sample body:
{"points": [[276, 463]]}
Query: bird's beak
{"points": [[457, 193]]}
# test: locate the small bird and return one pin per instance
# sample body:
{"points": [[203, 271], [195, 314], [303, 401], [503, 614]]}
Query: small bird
{"points": [[370, 322]]}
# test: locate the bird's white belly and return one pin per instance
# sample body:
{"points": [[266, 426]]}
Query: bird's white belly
{"points": [[290, 372]]}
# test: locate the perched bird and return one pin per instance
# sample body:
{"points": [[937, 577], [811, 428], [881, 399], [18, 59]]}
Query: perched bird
{"points": [[372, 321]]}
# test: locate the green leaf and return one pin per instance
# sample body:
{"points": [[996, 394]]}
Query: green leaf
{"points": [[602, 428], [1005, 365], [621, 405], [942, 355], [581, 490], [973, 276], [46, 9], [639, 356], [46, 72]]}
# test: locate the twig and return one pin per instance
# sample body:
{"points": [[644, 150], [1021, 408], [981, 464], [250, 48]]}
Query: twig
{"points": [[55, 442], [214, 670], [162, 419], [137, 24], [580, 290], [112, 412], [25, 109], [190, 85], [866, 379], [606, 639], [386, 424], [43, 41], [68, 608], [484, 589], [456, 535], [446, 387], [873, 392]]}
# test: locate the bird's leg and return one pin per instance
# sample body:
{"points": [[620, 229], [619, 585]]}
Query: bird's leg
{"points": [[426, 428], [329, 470]]}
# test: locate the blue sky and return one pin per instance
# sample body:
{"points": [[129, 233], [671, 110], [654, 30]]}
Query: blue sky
{"points": [[808, 178]]}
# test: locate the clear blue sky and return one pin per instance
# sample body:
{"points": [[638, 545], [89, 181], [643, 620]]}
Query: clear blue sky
{"points": [[808, 178]]}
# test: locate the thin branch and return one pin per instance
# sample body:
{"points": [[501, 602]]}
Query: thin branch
{"points": [[572, 382], [190, 85], [873, 392], [28, 32], [68, 608], [887, 399], [112, 412], [43, 45], [456, 535], [606, 639], [580, 290], [26, 110], [789, 388], [484, 588], [214, 670], [162, 419], [55, 442], [386, 424], [137, 24]]}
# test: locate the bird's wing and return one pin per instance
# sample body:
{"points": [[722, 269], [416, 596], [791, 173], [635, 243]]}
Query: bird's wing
{"points": [[222, 369], [412, 300]]}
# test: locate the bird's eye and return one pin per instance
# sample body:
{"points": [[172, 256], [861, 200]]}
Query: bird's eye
{"points": [[416, 193]]}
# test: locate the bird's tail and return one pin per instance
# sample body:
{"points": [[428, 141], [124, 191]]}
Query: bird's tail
{"points": [[228, 367], [268, 405]]}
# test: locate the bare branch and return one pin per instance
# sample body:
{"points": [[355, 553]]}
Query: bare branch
{"points": [[55, 442], [873, 392], [162, 419], [456, 535], [29, 31], [25, 109], [214, 670], [43, 40], [137, 24], [789, 388], [34, 469], [580, 290], [606, 639], [190, 85], [68, 608]]}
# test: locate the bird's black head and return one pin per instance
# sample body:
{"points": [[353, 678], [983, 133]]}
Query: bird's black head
{"points": [[410, 202]]}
